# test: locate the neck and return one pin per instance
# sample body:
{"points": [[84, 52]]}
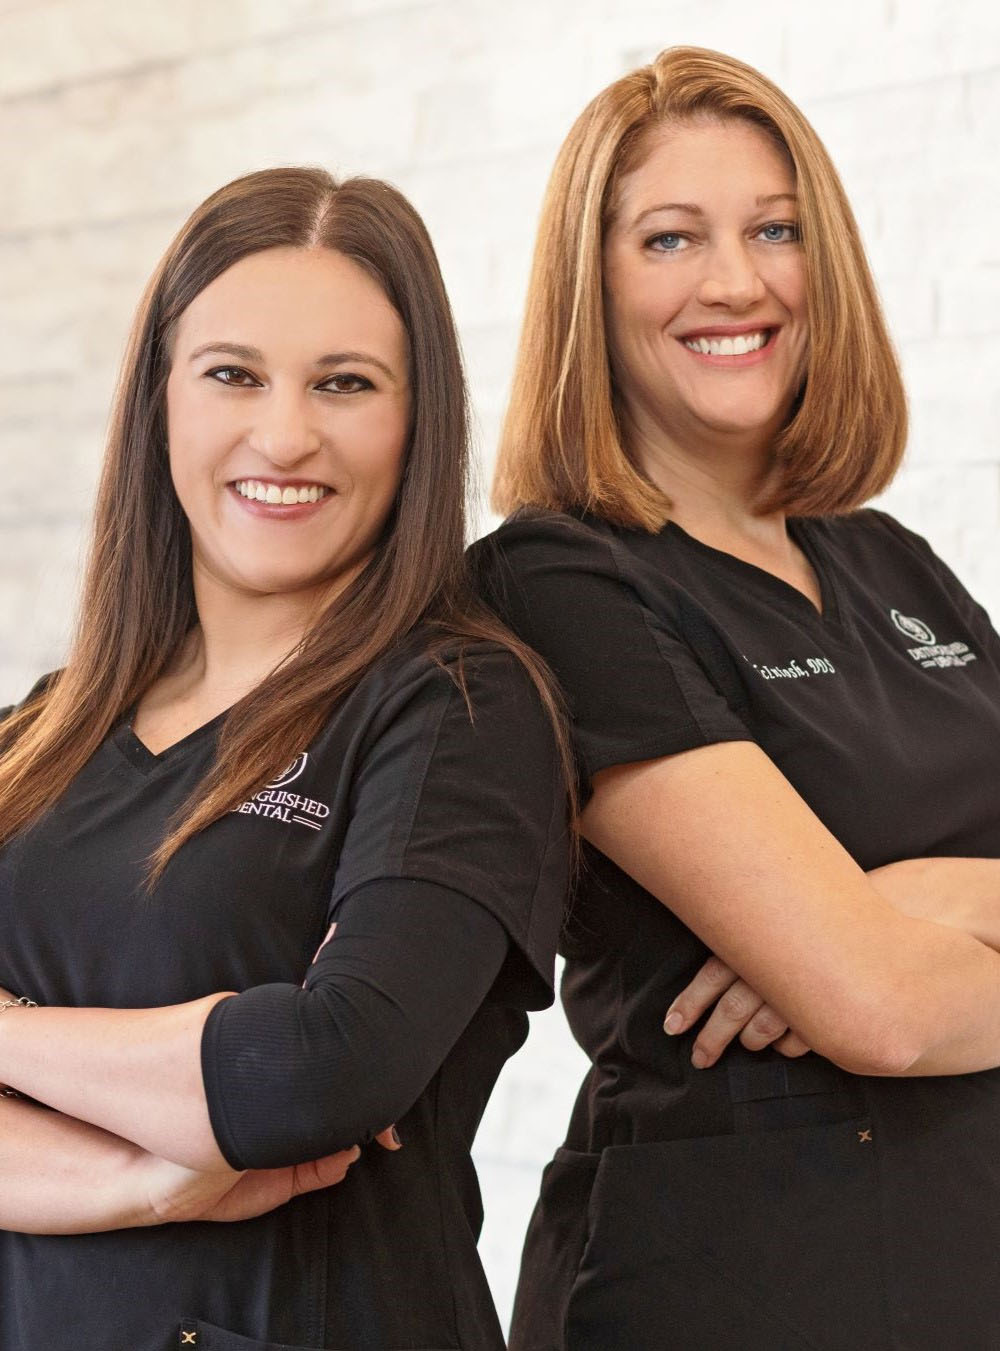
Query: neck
{"points": [[241, 637], [715, 484]]}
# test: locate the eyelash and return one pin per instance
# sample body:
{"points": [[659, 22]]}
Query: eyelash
{"points": [[218, 373], [793, 237]]}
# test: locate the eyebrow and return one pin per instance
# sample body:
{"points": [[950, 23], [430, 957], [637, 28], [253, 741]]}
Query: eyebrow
{"points": [[692, 209], [243, 353]]}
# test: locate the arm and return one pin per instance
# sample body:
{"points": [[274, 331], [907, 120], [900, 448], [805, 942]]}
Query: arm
{"points": [[963, 893], [330, 1064], [61, 1176], [749, 868]]}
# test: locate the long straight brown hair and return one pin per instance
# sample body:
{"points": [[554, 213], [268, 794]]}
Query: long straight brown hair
{"points": [[561, 445], [138, 600]]}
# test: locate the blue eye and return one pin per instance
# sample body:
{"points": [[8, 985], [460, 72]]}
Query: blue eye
{"points": [[668, 242], [778, 233]]}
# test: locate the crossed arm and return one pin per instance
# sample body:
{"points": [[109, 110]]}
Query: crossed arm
{"points": [[131, 1135], [892, 973], [63, 1176]]}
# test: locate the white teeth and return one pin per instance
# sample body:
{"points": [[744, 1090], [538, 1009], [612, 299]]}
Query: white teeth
{"points": [[274, 495], [728, 347]]}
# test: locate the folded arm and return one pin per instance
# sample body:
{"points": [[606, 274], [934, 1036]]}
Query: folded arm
{"points": [[750, 869], [61, 1176], [963, 893], [293, 1074]]}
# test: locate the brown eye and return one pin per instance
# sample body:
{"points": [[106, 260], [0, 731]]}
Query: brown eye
{"points": [[345, 384], [231, 375]]}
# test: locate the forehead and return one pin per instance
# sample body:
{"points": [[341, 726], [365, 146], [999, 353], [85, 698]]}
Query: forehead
{"points": [[708, 162], [316, 300]]}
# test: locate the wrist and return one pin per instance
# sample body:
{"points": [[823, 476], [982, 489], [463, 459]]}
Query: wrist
{"points": [[9, 1004]]}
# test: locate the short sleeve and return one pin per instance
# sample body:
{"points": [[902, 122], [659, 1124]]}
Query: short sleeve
{"points": [[462, 786], [634, 687]]}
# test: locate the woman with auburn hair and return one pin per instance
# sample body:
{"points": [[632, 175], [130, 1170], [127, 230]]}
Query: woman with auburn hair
{"points": [[787, 723], [284, 844]]}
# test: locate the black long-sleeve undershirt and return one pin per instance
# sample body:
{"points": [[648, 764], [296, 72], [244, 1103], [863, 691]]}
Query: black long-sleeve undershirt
{"points": [[292, 1074]]}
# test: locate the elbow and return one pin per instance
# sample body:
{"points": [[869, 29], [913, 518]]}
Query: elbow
{"points": [[889, 1056], [875, 1038], [332, 1073]]}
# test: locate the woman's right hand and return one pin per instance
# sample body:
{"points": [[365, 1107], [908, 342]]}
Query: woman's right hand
{"points": [[176, 1195], [961, 892], [739, 1012]]}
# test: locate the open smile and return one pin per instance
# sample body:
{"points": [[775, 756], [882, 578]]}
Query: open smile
{"points": [[280, 500], [743, 348]]}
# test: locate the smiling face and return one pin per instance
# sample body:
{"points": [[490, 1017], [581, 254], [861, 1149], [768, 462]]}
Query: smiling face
{"points": [[288, 410], [705, 287]]}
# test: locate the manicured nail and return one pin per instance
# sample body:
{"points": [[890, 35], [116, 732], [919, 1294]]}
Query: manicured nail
{"points": [[698, 1058], [673, 1023], [395, 1137]]}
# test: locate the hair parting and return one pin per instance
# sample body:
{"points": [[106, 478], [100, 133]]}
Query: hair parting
{"points": [[138, 601]]}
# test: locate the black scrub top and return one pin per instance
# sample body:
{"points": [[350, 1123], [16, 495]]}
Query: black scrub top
{"points": [[764, 1203], [419, 805]]}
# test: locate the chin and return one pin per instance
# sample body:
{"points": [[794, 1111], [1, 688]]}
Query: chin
{"points": [[744, 421]]}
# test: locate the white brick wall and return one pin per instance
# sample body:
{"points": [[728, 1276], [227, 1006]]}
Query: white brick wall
{"points": [[116, 117]]}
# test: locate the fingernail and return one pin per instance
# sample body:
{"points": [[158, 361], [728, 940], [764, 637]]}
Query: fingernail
{"points": [[395, 1137], [673, 1023], [698, 1058]]}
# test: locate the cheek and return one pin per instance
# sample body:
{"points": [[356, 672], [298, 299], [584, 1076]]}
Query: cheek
{"points": [[788, 283], [374, 451]]}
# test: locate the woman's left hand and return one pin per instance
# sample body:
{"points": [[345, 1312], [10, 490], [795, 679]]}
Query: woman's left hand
{"points": [[739, 1012]]}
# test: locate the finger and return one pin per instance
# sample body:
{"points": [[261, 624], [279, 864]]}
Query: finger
{"points": [[389, 1139], [711, 981], [325, 1172], [792, 1045], [764, 1027], [727, 1020]]}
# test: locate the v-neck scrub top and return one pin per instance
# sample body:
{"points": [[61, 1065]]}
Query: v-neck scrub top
{"points": [[764, 1203], [427, 822]]}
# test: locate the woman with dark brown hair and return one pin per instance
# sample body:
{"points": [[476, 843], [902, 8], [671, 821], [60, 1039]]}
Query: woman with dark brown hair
{"points": [[284, 844], [787, 722]]}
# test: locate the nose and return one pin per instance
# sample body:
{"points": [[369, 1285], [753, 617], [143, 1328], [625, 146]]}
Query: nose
{"points": [[730, 276], [284, 430]]}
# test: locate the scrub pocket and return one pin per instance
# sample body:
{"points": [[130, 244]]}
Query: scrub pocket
{"points": [[206, 1337], [759, 1241]]}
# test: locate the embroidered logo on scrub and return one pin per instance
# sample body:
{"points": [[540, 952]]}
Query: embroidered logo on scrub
{"points": [[914, 629], [293, 771], [929, 653], [274, 803], [795, 670]]}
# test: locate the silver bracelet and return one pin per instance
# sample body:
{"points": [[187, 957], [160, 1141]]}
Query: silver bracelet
{"points": [[23, 1003]]}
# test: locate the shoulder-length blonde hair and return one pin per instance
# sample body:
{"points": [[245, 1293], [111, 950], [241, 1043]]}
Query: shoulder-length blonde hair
{"points": [[561, 445], [138, 599]]}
